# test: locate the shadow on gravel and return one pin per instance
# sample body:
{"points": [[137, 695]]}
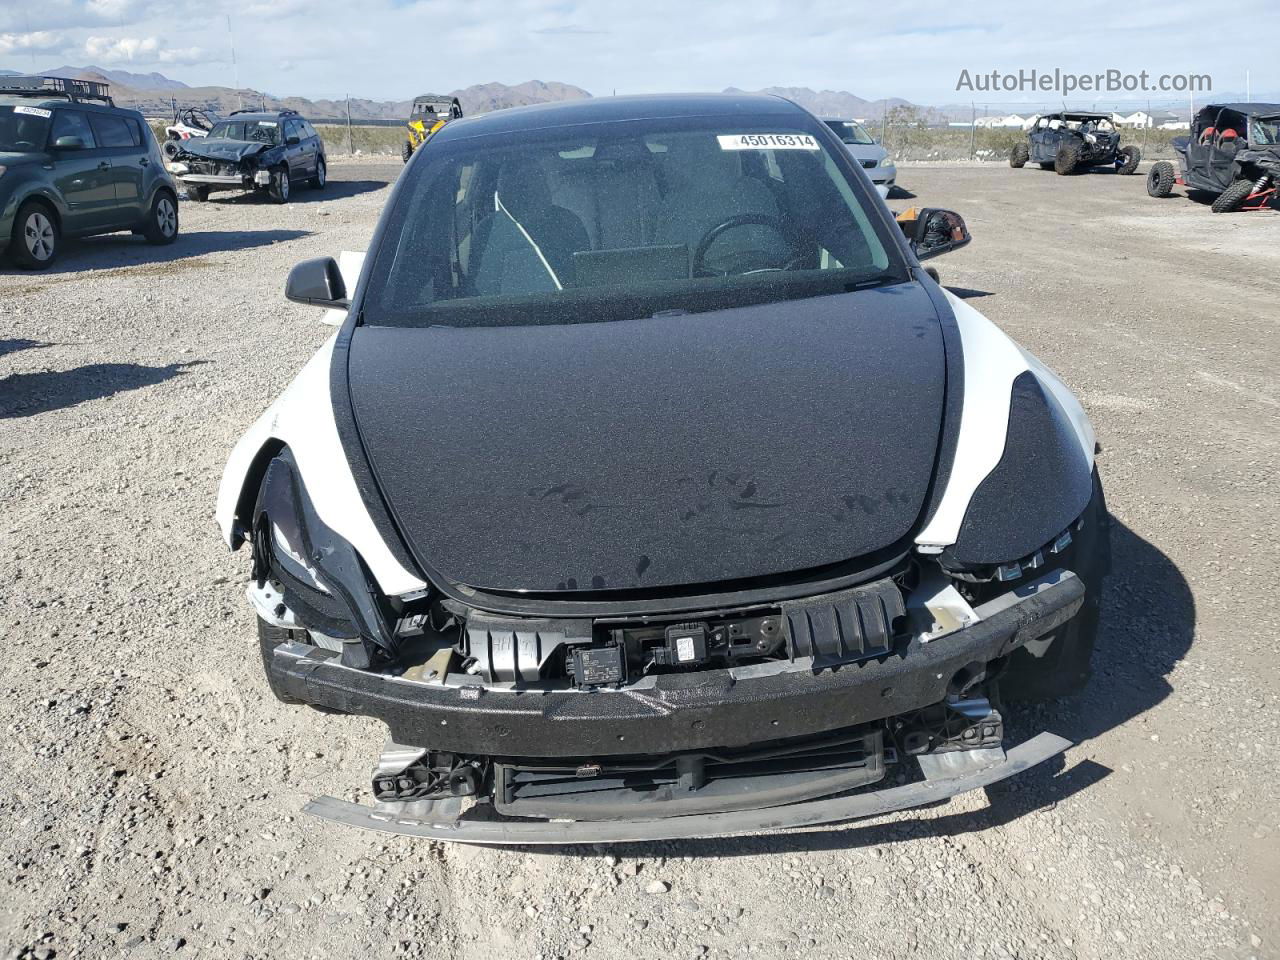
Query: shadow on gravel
{"points": [[900, 193], [117, 250], [965, 293], [301, 193], [28, 394], [20, 343], [1148, 621]]}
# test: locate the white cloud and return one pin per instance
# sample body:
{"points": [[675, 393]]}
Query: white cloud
{"points": [[184, 55], [121, 49], [39, 41]]}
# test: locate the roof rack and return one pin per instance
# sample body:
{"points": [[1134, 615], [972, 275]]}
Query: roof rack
{"points": [[74, 90]]}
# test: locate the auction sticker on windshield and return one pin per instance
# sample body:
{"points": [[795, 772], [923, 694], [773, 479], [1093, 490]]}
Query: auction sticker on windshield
{"points": [[767, 141]]}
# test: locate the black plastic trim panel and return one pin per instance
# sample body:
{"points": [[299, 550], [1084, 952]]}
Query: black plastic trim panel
{"points": [[684, 711]]}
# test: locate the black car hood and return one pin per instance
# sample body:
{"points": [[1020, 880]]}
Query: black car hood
{"points": [[663, 452], [223, 149]]}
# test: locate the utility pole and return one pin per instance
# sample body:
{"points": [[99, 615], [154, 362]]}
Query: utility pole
{"points": [[973, 127], [235, 67], [349, 150]]}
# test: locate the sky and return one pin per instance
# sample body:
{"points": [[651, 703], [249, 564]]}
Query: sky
{"points": [[392, 49]]}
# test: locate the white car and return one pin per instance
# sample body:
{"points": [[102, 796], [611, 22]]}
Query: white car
{"points": [[651, 488], [868, 151]]}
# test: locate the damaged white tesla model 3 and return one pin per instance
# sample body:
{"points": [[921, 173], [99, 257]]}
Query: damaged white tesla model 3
{"points": [[651, 488]]}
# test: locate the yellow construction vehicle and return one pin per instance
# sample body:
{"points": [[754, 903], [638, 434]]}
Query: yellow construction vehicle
{"points": [[429, 113]]}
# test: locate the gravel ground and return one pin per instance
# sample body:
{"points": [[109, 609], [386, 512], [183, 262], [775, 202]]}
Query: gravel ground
{"points": [[149, 784]]}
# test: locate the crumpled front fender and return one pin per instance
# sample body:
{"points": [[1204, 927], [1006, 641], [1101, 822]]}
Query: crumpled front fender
{"points": [[302, 419]]}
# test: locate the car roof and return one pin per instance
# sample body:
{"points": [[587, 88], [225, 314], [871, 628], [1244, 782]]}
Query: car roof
{"points": [[1248, 109], [261, 115], [605, 109], [1077, 115], [60, 103]]}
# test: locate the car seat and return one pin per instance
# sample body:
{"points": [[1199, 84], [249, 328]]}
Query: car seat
{"points": [[526, 244]]}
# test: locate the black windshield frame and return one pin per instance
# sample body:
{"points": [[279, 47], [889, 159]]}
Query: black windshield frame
{"points": [[611, 304]]}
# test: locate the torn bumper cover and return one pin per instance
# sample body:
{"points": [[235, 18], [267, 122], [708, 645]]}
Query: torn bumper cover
{"points": [[728, 708], [830, 810]]}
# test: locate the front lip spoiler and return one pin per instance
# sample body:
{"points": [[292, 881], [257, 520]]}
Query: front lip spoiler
{"points": [[812, 813]]}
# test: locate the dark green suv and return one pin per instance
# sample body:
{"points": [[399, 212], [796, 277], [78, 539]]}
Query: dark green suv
{"points": [[74, 164]]}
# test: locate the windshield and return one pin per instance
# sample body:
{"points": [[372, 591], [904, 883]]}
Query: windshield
{"points": [[23, 129], [437, 109], [615, 221], [253, 131], [851, 132], [1265, 131]]}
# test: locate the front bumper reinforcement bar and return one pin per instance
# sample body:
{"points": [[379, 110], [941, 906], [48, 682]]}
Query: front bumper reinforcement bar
{"points": [[811, 813]]}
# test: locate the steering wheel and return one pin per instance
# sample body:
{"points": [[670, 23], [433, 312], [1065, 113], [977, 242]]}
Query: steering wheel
{"points": [[699, 268]]}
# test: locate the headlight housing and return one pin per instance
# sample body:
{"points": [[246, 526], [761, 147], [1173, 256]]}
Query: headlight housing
{"points": [[323, 579], [1040, 487], [887, 162]]}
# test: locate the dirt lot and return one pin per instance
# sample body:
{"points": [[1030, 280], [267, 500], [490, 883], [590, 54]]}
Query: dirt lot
{"points": [[150, 786]]}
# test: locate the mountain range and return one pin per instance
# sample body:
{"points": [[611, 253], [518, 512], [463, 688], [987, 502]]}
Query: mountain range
{"points": [[155, 95]]}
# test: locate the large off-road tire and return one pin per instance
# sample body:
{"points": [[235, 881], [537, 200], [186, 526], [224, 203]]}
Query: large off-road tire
{"points": [[280, 188], [1018, 156], [161, 226], [406, 151], [1132, 157], [1160, 179], [322, 175], [36, 239], [1062, 668], [1233, 197], [170, 148], [1068, 158]]}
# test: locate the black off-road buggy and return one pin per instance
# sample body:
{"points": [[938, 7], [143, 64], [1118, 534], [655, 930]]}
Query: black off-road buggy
{"points": [[1070, 142], [1232, 154]]}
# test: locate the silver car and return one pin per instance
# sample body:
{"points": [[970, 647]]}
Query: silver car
{"points": [[867, 151]]}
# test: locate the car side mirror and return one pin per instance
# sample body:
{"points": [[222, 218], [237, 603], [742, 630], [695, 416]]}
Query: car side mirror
{"points": [[317, 283], [292, 141], [933, 231], [69, 143]]}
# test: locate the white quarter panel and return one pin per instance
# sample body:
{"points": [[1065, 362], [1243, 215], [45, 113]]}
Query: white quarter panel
{"points": [[302, 417], [991, 363]]}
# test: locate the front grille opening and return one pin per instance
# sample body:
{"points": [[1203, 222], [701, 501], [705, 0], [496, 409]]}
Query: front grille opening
{"points": [[691, 782]]}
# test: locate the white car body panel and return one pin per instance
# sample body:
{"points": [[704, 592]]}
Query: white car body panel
{"points": [[302, 418], [992, 362]]}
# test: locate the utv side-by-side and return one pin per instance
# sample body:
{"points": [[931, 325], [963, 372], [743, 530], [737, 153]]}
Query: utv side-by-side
{"points": [[1231, 154], [651, 487], [1074, 141], [429, 113]]}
